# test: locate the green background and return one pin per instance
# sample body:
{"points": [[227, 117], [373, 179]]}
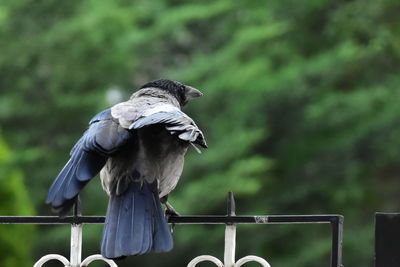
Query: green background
{"points": [[301, 114]]}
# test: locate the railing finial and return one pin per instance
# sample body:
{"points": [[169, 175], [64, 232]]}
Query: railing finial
{"points": [[77, 211], [231, 206]]}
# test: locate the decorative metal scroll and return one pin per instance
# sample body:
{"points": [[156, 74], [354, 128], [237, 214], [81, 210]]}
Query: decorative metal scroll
{"points": [[229, 255], [76, 247], [230, 246], [76, 253]]}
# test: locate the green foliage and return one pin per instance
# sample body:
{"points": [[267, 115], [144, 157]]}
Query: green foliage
{"points": [[14, 201], [300, 108]]}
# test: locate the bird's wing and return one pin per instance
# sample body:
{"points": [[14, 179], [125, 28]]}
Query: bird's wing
{"points": [[103, 137], [175, 121]]}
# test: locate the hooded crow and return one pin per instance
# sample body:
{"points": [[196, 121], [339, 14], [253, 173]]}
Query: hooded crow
{"points": [[138, 146]]}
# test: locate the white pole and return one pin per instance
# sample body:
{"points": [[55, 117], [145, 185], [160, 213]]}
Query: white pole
{"points": [[230, 246], [76, 245]]}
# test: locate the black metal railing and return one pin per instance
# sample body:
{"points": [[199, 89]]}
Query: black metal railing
{"points": [[335, 221]]}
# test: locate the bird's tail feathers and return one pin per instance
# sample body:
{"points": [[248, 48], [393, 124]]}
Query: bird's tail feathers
{"points": [[135, 223]]}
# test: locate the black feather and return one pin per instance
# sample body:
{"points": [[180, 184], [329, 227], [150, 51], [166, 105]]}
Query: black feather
{"points": [[175, 88], [88, 157], [176, 122]]}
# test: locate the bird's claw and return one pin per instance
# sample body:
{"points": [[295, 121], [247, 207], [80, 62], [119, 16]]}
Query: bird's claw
{"points": [[170, 211]]}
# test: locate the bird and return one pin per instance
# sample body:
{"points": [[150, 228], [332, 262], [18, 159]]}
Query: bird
{"points": [[138, 147]]}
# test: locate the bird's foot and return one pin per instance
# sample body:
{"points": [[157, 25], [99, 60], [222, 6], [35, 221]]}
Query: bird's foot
{"points": [[170, 211]]}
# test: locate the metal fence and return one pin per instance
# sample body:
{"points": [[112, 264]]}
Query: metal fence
{"points": [[230, 220]]}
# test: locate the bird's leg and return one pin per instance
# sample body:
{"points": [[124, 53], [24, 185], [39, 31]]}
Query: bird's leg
{"points": [[164, 199], [170, 210]]}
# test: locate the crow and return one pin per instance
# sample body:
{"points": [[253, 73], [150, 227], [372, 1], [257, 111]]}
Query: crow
{"points": [[138, 146]]}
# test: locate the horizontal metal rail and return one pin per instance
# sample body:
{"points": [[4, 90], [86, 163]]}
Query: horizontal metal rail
{"points": [[197, 219], [336, 222]]}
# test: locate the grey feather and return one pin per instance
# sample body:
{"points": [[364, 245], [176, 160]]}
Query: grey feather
{"points": [[139, 145]]}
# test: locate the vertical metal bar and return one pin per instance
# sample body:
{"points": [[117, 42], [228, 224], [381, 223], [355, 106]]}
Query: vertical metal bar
{"points": [[76, 245], [337, 241], [230, 234], [230, 246], [76, 237]]}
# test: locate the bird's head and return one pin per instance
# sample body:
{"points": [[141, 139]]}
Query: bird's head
{"points": [[183, 93]]}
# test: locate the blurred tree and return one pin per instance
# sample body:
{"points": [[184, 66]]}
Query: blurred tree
{"points": [[300, 108], [14, 200]]}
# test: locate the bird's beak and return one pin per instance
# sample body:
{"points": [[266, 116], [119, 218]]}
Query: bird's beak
{"points": [[192, 93]]}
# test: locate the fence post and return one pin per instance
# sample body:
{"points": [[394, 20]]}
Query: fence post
{"points": [[76, 237], [387, 239], [76, 245], [230, 234]]}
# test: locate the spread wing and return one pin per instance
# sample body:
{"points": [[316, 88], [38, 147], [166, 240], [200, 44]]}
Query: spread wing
{"points": [[175, 121], [145, 111], [103, 137]]}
